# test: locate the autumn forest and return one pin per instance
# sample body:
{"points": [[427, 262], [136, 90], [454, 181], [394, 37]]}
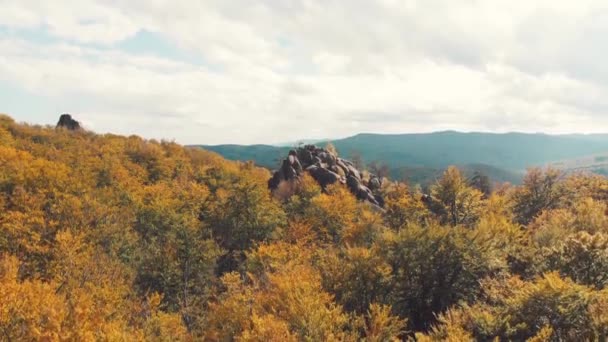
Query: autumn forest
{"points": [[113, 238]]}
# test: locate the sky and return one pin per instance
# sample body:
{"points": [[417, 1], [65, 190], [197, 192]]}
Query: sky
{"points": [[244, 72]]}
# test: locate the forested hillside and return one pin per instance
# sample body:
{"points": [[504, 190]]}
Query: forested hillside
{"points": [[417, 158], [105, 237]]}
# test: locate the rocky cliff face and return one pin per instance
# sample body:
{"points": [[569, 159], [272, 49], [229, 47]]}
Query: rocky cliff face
{"points": [[66, 121], [327, 168]]}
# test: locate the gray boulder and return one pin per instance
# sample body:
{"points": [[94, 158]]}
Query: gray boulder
{"points": [[66, 121], [326, 168]]}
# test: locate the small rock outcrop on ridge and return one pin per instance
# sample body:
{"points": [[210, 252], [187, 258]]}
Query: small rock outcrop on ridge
{"points": [[327, 168], [66, 121]]}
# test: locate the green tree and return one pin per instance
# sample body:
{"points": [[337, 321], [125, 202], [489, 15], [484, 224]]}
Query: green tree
{"points": [[539, 191], [402, 207], [175, 256], [581, 257], [458, 202], [434, 268], [241, 214], [556, 308], [378, 168], [331, 148], [357, 276], [481, 182]]}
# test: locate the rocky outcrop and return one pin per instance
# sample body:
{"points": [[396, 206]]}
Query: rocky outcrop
{"points": [[66, 121], [327, 168]]}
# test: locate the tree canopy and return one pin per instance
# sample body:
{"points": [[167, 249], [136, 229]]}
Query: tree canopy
{"points": [[104, 237]]}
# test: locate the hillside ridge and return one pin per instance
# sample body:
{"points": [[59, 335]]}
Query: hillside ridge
{"points": [[506, 155]]}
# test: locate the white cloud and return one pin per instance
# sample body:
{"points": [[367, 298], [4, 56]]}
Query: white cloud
{"points": [[86, 21], [274, 71]]}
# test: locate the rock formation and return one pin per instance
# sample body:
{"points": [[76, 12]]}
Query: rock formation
{"points": [[66, 121], [327, 168]]}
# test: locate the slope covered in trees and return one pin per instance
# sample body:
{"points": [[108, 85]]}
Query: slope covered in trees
{"points": [[417, 158], [105, 237]]}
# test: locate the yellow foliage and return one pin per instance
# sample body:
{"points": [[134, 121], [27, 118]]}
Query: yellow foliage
{"points": [[333, 212], [403, 207], [289, 296], [544, 335], [382, 326], [457, 202], [104, 237], [267, 329]]}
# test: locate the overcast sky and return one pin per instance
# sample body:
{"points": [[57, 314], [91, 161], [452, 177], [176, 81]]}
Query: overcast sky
{"points": [[225, 71]]}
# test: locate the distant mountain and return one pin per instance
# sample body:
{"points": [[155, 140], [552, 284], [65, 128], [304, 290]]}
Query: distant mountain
{"points": [[596, 163], [428, 175], [418, 156], [263, 155]]}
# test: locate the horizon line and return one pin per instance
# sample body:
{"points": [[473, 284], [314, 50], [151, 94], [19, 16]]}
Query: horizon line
{"points": [[328, 140]]}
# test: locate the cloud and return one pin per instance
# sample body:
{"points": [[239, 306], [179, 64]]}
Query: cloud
{"points": [[274, 71], [85, 21]]}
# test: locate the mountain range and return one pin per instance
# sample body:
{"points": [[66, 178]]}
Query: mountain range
{"points": [[421, 157]]}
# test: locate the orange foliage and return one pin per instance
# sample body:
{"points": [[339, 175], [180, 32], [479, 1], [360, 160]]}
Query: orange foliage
{"points": [[104, 237]]}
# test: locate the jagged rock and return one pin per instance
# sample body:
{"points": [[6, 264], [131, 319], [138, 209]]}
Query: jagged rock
{"points": [[326, 157], [342, 164], [289, 172], [353, 183], [354, 172], [305, 156], [380, 200], [361, 191], [366, 194], [335, 168], [66, 121], [326, 168], [276, 179], [294, 162], [374, 182], [324, 176]]}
